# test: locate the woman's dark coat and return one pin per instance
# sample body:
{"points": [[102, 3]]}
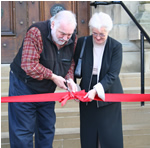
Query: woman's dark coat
{"points": [[110, 69], [101, 121]]}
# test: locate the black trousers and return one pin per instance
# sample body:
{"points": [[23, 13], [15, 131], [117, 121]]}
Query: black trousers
{"points": [[103, 124]]}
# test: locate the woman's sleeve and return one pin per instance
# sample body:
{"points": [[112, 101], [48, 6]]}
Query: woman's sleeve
{"points": [[114, 68]]}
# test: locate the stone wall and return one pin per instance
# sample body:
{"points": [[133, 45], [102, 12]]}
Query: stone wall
{"points": [[128, 34]]}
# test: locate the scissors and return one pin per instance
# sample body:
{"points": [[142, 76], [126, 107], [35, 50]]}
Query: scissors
{"points": [[66, 83]]}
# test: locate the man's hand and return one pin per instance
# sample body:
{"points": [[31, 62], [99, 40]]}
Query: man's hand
{"points": [[91, 94], [59, 81], [72, 85]]}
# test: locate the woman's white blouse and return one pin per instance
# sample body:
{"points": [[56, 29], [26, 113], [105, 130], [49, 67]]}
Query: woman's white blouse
{"points": [[98, 51]]}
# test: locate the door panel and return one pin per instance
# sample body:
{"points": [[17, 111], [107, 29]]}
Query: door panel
{"points": [[83, 15], [34, 12], [15, 13], [17, 16], [51, 8]]}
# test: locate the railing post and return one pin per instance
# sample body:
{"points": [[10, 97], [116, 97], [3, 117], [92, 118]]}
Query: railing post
{"points": [[142, 66]]}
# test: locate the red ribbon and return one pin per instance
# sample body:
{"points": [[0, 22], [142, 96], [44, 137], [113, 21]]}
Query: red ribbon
{"points": [[65, 96]]}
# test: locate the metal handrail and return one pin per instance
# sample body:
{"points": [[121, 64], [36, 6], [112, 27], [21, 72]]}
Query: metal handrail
{"points": [[143, 34]]}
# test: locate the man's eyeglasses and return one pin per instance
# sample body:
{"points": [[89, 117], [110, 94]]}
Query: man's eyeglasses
{"points": [[99, 34]]}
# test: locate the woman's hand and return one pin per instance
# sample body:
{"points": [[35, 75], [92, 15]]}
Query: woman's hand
{"points": [[91, 94]]}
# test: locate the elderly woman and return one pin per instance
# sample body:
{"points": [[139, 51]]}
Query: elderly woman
{"points": [[100, 122]]}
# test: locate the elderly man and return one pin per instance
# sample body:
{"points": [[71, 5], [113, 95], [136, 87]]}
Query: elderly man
{"points": [[44, 61]]}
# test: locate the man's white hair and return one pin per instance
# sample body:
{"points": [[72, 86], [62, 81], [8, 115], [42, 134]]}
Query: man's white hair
{"points": [[99, 20], [64, 16]]}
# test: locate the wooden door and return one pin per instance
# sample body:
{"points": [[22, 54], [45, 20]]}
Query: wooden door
{"points": [[17, 16]]}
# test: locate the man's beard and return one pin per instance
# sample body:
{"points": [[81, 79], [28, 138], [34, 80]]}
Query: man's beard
{"points": [[59, 41]]}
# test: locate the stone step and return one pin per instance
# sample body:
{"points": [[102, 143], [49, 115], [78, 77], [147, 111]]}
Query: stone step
{"points": [[134, 79], [5, 68], [135, 114], [138, 129], [66, 117], [134, 103], [69, 117], [131, 82], [135, 136], [4, 79], [129, 90], [64, 138], [69, 104], [4, 88], [135, 90]]}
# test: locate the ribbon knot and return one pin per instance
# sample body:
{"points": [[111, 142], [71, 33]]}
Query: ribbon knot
{"points": [[71, 95]]}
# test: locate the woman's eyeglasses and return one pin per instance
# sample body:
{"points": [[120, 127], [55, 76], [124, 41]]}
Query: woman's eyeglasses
{"points": [[98, 34]]}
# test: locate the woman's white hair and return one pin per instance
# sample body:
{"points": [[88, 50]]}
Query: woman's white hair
{"points": [[64, 16], [99, 20]]}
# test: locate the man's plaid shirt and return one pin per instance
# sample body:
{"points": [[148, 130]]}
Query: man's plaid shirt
{"points": [[32, 49]]}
